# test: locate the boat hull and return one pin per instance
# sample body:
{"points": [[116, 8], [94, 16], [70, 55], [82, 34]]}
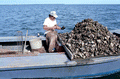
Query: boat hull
{"points": [[81, 71]]}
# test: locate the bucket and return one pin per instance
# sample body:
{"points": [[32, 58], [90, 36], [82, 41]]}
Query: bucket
{"points": [[35, 43]]}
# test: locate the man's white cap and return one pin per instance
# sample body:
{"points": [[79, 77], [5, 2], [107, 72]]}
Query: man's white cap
{"points": [[53, 13]]}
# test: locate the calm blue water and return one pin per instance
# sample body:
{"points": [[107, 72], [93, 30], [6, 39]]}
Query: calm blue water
{"points": [[15, 18]]}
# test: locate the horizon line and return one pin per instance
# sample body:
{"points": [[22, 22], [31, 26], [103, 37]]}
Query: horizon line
{"points": [[60, 4]]}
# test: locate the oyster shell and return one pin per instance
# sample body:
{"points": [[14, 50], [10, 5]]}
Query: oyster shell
{"points": [[91, 39]]}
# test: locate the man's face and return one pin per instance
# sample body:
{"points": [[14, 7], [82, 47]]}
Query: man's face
{"points": [[52, 18]]}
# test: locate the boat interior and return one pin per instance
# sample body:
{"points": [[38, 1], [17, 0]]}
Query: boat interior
{"points": [[14, 46]]}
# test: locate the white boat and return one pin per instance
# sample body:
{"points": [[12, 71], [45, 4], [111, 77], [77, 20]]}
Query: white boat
{"points": [[52, 65]]}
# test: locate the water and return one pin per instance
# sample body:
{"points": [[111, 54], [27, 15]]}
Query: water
{"points": [[15, 18]]}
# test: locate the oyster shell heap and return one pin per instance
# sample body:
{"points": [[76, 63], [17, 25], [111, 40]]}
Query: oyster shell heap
{"points": [[90, 39]]}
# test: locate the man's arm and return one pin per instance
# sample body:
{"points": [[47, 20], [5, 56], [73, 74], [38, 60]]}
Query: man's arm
{"points": [[51, 28]]}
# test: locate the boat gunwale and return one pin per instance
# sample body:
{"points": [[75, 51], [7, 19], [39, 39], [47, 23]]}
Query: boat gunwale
{"points": [[60, 66]]}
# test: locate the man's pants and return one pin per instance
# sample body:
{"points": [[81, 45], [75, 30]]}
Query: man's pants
{"points": [[51, 39]]}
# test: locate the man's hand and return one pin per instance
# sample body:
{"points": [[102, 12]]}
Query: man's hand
{"points": [[58, 27], [62, 28], [54, 27]]}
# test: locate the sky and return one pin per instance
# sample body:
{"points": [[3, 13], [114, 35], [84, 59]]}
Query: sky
{"points": [[10, 2]]}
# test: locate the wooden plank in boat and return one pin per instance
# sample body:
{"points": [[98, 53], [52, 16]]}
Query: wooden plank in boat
{"points": [[16, 38], [69, 53], [13, 48], [5, 51]]}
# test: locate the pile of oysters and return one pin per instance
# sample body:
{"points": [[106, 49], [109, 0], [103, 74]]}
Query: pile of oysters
{"points": [[90, 39]]}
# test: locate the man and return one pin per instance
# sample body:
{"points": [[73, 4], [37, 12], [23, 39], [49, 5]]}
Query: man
{"points": [[50, 25]]}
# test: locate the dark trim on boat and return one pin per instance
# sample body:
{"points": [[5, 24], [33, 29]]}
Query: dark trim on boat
{"points": [[84, 76]]}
